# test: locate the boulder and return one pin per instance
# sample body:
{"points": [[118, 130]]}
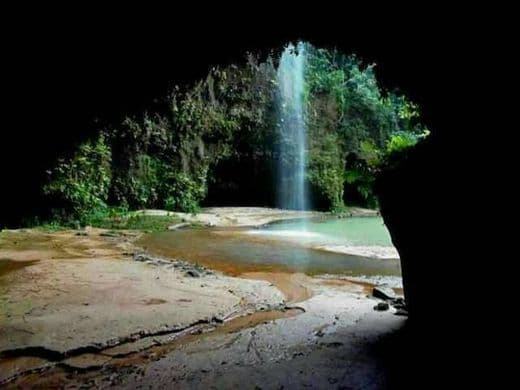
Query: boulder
{"points": [[142, 257], [399, 304], [382, 306], [384, 291]]}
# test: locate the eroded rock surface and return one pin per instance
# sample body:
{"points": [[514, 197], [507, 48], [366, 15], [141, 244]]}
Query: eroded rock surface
{"points": [[98, 317], [327, 346], [67, 304]]}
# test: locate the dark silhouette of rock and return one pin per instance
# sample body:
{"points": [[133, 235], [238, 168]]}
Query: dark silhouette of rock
{"points": [[384, 292], [382, 306]]}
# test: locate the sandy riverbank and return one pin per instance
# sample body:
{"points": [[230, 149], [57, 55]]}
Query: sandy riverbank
{"points": [[249, 216], [375, 252]]}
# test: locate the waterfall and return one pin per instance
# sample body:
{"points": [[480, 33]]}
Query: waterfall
{"points": [[292, 132]]}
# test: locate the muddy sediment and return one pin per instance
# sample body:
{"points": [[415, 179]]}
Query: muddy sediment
{"points": [[294, 286]]}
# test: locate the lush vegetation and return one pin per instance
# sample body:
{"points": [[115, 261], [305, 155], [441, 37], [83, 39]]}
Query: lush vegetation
{"points": [[217, 140], [354, 125], [129, 221], [81, 184]]}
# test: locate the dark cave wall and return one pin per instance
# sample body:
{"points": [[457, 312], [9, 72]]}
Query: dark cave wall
{"points": [[421, 208], [403, 191]]}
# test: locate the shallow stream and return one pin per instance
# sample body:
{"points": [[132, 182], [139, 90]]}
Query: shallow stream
{"points": [[284, 246]]}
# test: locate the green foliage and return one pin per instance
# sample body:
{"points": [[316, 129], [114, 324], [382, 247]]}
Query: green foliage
{"points": [[149, 222], [118, 219], [344, 99], [81, 184], [403, 140], [325, 169], [166, 159], [51, 227], [163, 161], [140, 150], [104, 217], [184, 192]]}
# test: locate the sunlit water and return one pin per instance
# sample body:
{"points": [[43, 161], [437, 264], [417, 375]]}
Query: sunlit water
{"points": [[280, 247], [366, 231]]}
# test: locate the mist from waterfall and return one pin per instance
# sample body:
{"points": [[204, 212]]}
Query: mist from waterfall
{"points": [[291, 185]]}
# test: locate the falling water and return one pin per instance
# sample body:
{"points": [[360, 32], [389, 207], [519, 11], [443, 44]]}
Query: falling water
{"points": [[291, 188]]}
